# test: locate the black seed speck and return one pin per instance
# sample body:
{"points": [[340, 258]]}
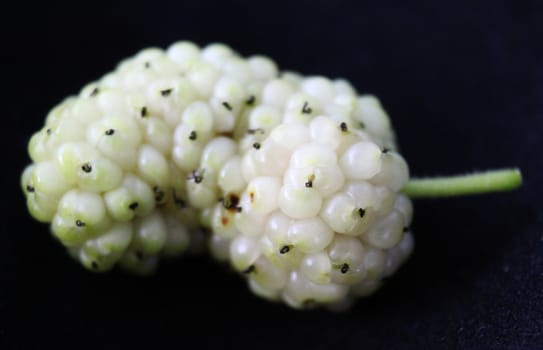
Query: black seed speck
{"points": [[249, 269], [133, 205], [284, 249], [94, 265], [310, 180], [166, 92], [196, 175], [192, 135], [361, 212], [48, 131], [147, 65], [306, 109], [386, 150], [362, 125], [254, 131], [239, 209], [159, 194], [227, 105], [230, 201], [110, 132], [143, 112], [86, 167], [180, 202], [343, 127], [251, 100], [256, 145], [79, 223], [344, 268], [30, 188], [94, 92]]}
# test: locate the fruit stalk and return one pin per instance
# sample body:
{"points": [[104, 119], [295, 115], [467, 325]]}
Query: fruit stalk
{"points": [[460, 185]]}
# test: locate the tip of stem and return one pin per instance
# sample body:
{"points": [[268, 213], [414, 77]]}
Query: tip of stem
{"points": [[516, 175]]}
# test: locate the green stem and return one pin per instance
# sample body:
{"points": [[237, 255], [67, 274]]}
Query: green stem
{"points": [[477, 183]]}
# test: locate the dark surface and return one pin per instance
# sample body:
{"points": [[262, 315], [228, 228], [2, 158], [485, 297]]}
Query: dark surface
{"points": [[464, 86]]}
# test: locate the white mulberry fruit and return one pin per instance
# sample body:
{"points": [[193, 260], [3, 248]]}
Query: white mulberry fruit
{"points": [[297, 178]]}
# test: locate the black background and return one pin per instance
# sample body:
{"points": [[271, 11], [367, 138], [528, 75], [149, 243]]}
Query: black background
{"points": [[463, 83]]}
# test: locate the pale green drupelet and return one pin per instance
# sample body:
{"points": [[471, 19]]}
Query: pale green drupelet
{"points": [[296, 178]]}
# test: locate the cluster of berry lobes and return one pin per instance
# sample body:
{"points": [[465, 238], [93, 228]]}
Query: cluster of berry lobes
{"points": [[294, 180]]}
